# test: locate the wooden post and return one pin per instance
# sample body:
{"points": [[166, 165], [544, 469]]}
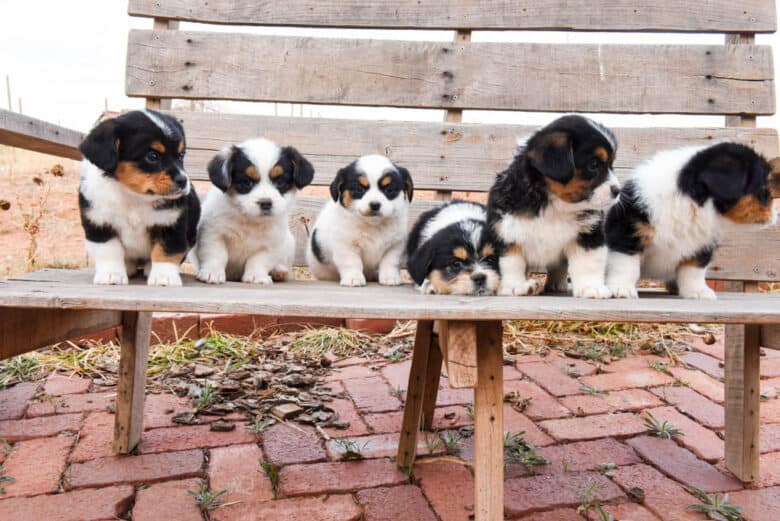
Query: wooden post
{"points": [[489, 424], [461, 355], [128, 424], [432, 378], [162, 24]]}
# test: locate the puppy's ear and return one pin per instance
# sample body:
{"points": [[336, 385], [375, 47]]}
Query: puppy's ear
{"points": [[774, 177], [337, 184], [408, 183], [419, 264], [724, 178], [303, 171], [101, 146], [220, 166], [552, 155]]}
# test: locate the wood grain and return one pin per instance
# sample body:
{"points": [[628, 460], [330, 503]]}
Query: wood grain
{"points": [[415, 395], [432, 379], [17, 130], [128, 423], [440, 155], [770, 337], [684, 79], [583, 15], [462, 354], [65, 289]]}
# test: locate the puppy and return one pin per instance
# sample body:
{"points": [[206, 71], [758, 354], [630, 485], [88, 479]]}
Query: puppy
{"points": [[244, 234], [138, 207], [546, 211], [360, 234], [448, 252], [672, 212]]}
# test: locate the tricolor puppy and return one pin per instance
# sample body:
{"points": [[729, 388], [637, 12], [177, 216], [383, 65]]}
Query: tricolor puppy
{"points": [[138, 207], [546, 211], [674, 208], [360, 234], [449, 252], [245, 234]]}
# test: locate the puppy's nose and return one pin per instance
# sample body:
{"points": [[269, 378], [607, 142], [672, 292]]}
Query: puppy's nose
{"points": [[615, 190], [375, 206], [479, 279], [265, 204], [181, 182]]}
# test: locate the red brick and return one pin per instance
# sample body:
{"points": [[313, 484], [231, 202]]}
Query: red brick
{"points": [[510, 373], [770, 386], [352, 371], [244, 325], [551, 378], [17, 430], [627, 380], [449, 487], [104, 336], [716, 350], [704, 363], [170, 327], [542, 406], [688, 401], [191, 437], [285, 444], [701, 383], [325, 508], [586, 455], [391, 421], [159, 410], [95, 438], [397, 374], [147, 468], [81, 505], [758, 505], [394, 503], [682, 465], [13, 401], [770, 438], [447, 397], [770, 411], [572, 366], [769, 472], [290, 324], [665, 498], [238, 469], [528, 495], [168, 500], [632, 363], [770, 367], [333, 478], [372, 326], [352, 360], [71, 403], [703, 442], [372, 394], [628, 400], [384, 445], [627, 511], [516, 422], [593, 427], [346, 411], [58, 385], [559, 514], [36, 465]]}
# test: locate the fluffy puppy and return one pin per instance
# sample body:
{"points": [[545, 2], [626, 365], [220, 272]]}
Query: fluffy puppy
{"points": [[449, 254], [244, 234], [546, 211], [360, 234], [138, 207], [672, 212]]}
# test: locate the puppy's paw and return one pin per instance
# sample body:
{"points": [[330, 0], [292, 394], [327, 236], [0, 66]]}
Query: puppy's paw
{"points": [[426, 288], [528, 287], [390, 278], [594, 292], [624, 292], [353, 279], [164, 274], [280, 274], [211, 276], [257, 278], [110, 278], [560, 286], [703, 293]]}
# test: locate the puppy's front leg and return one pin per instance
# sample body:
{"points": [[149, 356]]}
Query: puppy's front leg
{"points": [[109, 260], [587, 268], [350, 267], [692, 282], [212, 257], [258, 267], [390, 266], [514, 281], [281, 271], [165, 267], [623, 272]]}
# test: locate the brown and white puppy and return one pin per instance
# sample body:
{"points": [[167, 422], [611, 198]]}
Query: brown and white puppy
{"points": [[673, 210], [138, 207], [546, 211]]}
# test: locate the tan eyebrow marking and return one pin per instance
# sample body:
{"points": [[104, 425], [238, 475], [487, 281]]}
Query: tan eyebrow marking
{"points": [[181, 147], [276, 172], [461, 253], [488, 250], [251, 171], [385, 181], [602, 154], [363, 180], [159, 147]]}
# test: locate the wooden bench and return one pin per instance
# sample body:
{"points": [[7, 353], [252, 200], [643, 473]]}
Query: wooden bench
{"points": [[734, 80]]}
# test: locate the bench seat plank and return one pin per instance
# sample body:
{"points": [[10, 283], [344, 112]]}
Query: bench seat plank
{"points": [[705, 79], [73, 290], [18, 130]]}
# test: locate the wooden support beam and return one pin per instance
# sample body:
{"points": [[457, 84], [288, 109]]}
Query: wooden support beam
{"points": [[461, 354], [162, 24], [20, 131], [128, 425], [432, 378]]}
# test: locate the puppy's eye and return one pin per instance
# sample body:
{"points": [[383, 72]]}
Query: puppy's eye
{"points": [[456, 264], [153, 156], [244, 185], [180, 157], [593, 165]]}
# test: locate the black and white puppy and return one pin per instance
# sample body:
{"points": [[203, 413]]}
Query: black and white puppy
{"points": [[245, 234], [360, 234], [138, 207], [674, 209], [449, 253], [546, 211]]}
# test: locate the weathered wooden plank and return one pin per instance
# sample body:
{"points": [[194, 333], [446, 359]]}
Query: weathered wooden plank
{"points": [[74, 290], [440, 155], [770, 337], [684, 79], [128, 423], [415, 395], [24, 330], [432, 379], [461, 354], [580, 15], [21, 131]]}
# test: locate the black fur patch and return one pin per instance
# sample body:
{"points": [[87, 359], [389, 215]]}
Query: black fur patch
{"points": [[625, 221], [594, 237], [181, 236], [93, 232], [315, 248]]}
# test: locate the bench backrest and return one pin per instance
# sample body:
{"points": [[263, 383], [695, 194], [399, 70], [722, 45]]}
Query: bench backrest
{"points": [[735, 80]]}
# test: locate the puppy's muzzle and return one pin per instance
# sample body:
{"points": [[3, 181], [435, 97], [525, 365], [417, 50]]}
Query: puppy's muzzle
{"points": [[265, 206], [375, 207]]}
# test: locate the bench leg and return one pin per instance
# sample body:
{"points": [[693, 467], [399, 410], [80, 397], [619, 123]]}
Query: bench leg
{"points": [[489, 424], [743, 394], [415, 391], [432, 377], [128, 426]]}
